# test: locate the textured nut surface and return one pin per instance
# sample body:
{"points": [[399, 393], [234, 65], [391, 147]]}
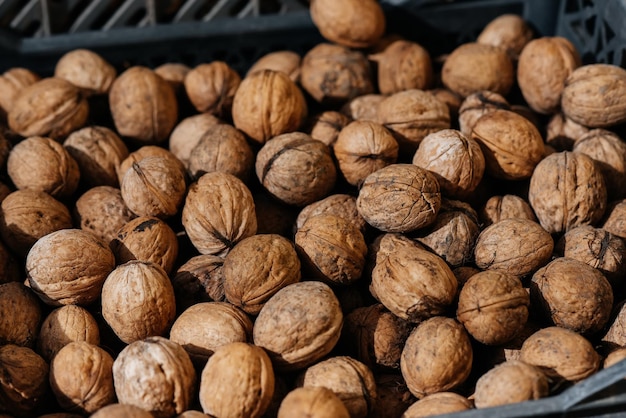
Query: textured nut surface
{"points": [[616, 333], [174, 73], [118, 410], [211, 87], [477, 104], [146, 151], [188, 133], [364, 107], [506, 206], [87, 70], [68, 266], [12, 82], [287, 62], [615, 220], [353, 23], [312, 402], [64, 325], [342, 205], [23, 380], [326, 126], [199, 279], [507, 31], [438, 403], [102, 211], [510, 382], [20, 315], [403, 65], [562, 132]]}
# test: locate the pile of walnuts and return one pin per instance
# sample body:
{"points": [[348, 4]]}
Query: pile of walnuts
{"points": [[361, 231]]}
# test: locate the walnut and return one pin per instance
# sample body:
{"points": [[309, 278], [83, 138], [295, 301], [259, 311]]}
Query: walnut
{"points": [[352, 23], [609, 152], [561, 354], [23, 380], [296, 169], [476, 105], [188, 133], [437, 357], [312, 402], [146, 238], [511, 144], [154, 186], [28, 215], [363, 108], [510, 382], [287, 62], [64, 325], [451, 99], [333, 73], [509, 32], [145, 152], [413, 283], [411, 115], [237, 381], [218, 213], [572, 295], [379, 336], [614, 357], [200, 279], [50, 107], [143, 105], [493, 307], [299, 325], [42, 164], [12, 82], [224, 148], [342, 205], [363, 147], [98, 151], [562, 132], [102, 211], [615, 335], [453, 234], [399, 198], [81, 377], [615, 219], [500, 207], [192, 414], [393, 397], [403, 65], [352, 381], [566, 190], [598, 248], [456, 161], [174, 73], [117, 410], [68, 266], [222, 323], [325, 126], [87, 70], [20, 315], [266, 104], [155, 374], [592, 95], [473, 67], [211, 87], [438, 403], [515, 246], [138, 301]]}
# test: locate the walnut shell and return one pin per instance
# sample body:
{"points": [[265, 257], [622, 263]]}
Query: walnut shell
{"points": [[237, 381], [102, 211], [413, 283], [561, 354], [332, 249], [476, 105], [98, 151], [218, 213], [515, 246], [155, 374], [437, 357], [200, 279], [222, 323], [211, 87], [258, 267], [325, 126], [493, 307], [42, 164], [145, 152], [23, 380], [438, 403], [138, 301], [299, 325], [562, 132], [68, 266], [333, 73], [509, 32], [364, 107], [143, 105], [615, 219], [593, 95], [363, 147], [188, 133], [510, 382], [50, 107], [566, 190], [296, 169], [64, 325], [473, 67], [403, 65], [352, 381], [81, 377], [20, 315], [117, 410], [342, 205], [87, 70], [12, 82], [511, 144], [312, 402], [146, 238], [287, 62], [399, 198], [352, 23], [614, 357], [615, 335], [572, 295], [266, 104], [456, 161], [498, 208], [28, 215], [174, 73]]}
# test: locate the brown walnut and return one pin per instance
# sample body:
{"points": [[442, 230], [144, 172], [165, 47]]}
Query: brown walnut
{"points": [[325, 126], [509, 32], [352, 23], [23, 380], [199, 279], [287, 62], [438, 403], [403, 65], [102, 211], [477, 104], [506, 206], [312, 402], [364, 107], [87, 70], [20, 315], [562, 132], [188, 133], [211, 87], [174, 73], [12, 82]]}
